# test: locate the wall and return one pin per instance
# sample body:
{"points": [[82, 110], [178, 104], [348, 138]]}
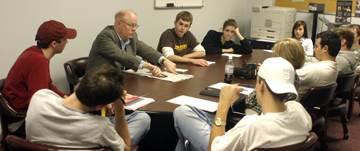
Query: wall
{"points": [[21, 19]]}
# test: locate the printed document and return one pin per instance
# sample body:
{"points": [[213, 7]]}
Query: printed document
{"points": [[198, 103], [171, 77]]}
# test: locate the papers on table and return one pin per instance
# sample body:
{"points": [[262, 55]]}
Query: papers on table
{"points": [[138, 102], [198, 103], [180, 70], [171, 77], [271, 51], [246, 90], [210, 62], [230, 54]]}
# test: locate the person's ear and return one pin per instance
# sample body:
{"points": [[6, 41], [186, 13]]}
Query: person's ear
{"points": [[343, 41], [262, 86], [175, 23], [326, 48], [53, 44], [99, 107]]}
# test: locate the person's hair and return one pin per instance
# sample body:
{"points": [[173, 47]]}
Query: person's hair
{"points": [[332, 40], [346, 34], [276, 96], [100, 86], [230, 22], [292, 51], [298, 24], [357, 27], [184, 15], [44, 45]]}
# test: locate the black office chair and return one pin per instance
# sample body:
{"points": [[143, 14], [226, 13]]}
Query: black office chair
{"points": [[74, 70], [318, 97], [7, 112]]}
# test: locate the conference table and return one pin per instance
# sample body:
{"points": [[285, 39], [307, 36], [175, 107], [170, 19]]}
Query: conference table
{"points": [[162, 132]]}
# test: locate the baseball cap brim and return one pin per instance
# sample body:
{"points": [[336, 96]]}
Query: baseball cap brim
{"points": [[70, 33], [281, 88]]}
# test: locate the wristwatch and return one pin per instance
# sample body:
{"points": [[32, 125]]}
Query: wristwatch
{"points": [[218, 122], [162, 61]]}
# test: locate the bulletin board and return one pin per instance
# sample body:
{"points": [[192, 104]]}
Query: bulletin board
{"points": [[178, 3], [330, 5]]}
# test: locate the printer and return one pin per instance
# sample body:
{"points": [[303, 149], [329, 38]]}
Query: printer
{"points": [[271, 22]]}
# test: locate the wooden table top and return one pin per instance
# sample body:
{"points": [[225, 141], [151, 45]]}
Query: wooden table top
{"points": [[162, 90]]}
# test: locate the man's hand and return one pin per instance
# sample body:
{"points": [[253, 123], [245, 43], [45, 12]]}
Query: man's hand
{"points": [[170, 66], [200, 62], [109, 109], [229, 94], [156, 71]]}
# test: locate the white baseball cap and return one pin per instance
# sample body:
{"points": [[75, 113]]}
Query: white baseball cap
{"points": [[279, 74]]}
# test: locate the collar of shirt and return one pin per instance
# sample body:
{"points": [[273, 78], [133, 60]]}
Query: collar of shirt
{"points": [[123, 43]]}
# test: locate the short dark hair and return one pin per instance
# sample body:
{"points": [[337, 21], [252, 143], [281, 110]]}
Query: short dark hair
{"points": [[44, 45], [281, 97], [298, 24], [332, 40], [346, 34], [101, 86]]}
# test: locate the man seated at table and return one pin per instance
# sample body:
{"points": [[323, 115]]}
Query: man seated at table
{"points": [[118, 45], [180, 45], [280, 124], [355, 28], [321, 70], [347, 60], [31, 70], [54, 121]]}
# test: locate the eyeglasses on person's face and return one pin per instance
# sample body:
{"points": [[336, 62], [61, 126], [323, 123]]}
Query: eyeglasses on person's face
{"points": [[131, 26]]}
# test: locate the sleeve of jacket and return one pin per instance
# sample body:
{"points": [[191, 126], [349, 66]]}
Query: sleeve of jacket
{"points": [[108, 47], [146, 52], [210, 43], [244, 48]]}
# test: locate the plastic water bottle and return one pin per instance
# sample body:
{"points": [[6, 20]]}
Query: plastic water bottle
{"points": [[229, 70]]}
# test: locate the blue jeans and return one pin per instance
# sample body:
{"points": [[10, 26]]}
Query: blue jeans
{"points": [[138, 123], [193, 127]]}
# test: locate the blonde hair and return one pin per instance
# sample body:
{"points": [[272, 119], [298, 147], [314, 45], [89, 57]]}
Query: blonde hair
{"points": [[291, 50]]}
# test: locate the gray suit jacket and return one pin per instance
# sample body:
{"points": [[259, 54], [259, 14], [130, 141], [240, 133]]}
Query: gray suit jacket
{"points": [[107, 49]]}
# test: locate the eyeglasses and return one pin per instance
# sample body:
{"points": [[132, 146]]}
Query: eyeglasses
{"points": [[131, 26]]}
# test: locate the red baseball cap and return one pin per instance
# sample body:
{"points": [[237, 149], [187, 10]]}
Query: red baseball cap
{"points": [[53, 30]]}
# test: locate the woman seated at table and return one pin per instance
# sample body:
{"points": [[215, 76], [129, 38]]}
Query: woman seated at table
{"points": [[300, 33], [292, 51], [220, 42]]}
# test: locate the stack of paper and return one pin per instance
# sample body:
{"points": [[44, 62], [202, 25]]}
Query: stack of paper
{"points": [[230, 54], [246, 90], [138, 102], [170, 76], [198, 103]]}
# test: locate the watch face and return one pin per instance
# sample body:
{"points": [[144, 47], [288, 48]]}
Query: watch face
{"points": [[217, 122]]}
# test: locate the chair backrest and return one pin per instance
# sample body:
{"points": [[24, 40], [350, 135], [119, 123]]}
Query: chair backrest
{"points": [[75, 69], [318, 96], [16, 143], [307, 145], [345, 83]]}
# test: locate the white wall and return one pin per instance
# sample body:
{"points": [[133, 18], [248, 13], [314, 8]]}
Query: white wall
{"points": [[20, 20]]}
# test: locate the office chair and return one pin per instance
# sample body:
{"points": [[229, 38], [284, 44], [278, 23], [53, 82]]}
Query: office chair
{"points": [[16, 143], [352, 96], [338, 107], [307, 145], [7, 112], [318, 97], [74, 70]]}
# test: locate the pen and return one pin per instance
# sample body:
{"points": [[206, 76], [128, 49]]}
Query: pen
{"points": [[247, 85], [122, 100]]}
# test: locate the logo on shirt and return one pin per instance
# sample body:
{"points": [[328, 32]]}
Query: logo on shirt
{"points": [[181, 47]]}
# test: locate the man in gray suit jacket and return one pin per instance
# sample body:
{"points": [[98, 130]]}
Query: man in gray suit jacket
{"points": [[118, 45]]}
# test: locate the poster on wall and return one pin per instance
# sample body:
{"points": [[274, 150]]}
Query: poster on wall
{"points": [[357, 10], [343, 12]]}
